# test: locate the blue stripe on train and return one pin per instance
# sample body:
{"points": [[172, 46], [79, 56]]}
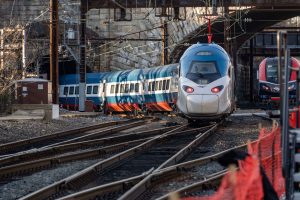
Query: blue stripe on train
{"points": [[75, 100]]}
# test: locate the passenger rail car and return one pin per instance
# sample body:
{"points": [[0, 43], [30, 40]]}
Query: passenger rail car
{"points": [[153, 89], [206, 83], [268, 83]]}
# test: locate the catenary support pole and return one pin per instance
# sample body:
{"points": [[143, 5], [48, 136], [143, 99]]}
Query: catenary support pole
{"points": [[54, 49], [82, 67]]}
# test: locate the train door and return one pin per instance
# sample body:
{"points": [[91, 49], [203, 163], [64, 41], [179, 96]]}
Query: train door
{"points": [[174, 84], [231, 89], [104, 99], [143, 91]]}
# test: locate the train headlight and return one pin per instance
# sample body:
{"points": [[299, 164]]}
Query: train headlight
{"points": [[264, 87], [292, 86], [217, 89], [188, 89]]}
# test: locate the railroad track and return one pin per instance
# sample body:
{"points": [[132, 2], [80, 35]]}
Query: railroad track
{"points": [[185, 179], [156, 150], [94, 182], [78, 146], [18, 165], [41, 141]]}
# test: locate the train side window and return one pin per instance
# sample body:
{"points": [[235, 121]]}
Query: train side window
{"points": [[153, 86], [149, 86], [112, 89], [117, 88], [156, 85], [95, 89], [126, 88], [122, 88], [71, 90], [77, 90], [89, 89], [164, 85], [160, 85], [137, 87], [168, 84], [66, 90], [131, 87]]}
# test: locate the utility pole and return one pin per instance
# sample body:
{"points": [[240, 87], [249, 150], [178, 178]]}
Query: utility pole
{"points": [[227, 30], [251, 70], [165, 43], [54, 49], [82, 67], [24, 54]]}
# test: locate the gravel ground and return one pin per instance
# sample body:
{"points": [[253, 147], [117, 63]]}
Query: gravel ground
{"points": [[24, 129], [19, 188], [235, 131]]}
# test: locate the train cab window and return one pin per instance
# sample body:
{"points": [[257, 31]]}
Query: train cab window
{"points": [[168, 84], [71, 91], [131, 87], [160, 85], [77, 90], [164, 85], [126, 88], [122, 89], [95, 89], [66, 90], [203, 72], [89, 89], [112, 89], [117, 88], [137, 87]]}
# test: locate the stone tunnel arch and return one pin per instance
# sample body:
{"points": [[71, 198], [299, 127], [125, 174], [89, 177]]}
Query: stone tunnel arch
{"points": [[238, 35], [261, 18]]}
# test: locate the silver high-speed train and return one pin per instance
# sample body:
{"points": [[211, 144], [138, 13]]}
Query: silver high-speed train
{"points": [[206, 83]]}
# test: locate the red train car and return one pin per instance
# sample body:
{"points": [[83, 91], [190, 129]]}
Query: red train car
{"points": [[269, 88]]}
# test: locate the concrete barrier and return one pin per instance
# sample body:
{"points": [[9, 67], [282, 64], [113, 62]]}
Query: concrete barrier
{"points": [[51, 111]]}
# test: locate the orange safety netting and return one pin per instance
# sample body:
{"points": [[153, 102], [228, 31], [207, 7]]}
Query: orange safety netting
{"points": [[246, 183]]}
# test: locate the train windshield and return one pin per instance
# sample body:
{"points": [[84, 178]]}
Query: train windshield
{"points": [[202, 72], [272, 71]]}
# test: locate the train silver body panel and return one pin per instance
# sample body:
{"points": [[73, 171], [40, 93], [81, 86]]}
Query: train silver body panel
{"points": [[201, 102]]}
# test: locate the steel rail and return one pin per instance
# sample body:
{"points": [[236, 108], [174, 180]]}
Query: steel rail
{"points": [[143, 185], [209, 181], [41, 153], [33, 166], [95, 134], [161, 175], [33, 141], [121, 185], [74, 180]]}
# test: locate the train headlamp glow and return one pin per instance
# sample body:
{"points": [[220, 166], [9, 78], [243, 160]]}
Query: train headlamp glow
{"points": [[292, 86], [265, 87], [188, 89], [217, 89]]}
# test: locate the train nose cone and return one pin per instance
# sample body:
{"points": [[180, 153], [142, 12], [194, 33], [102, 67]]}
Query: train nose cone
{"points": [[205, 104]]}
